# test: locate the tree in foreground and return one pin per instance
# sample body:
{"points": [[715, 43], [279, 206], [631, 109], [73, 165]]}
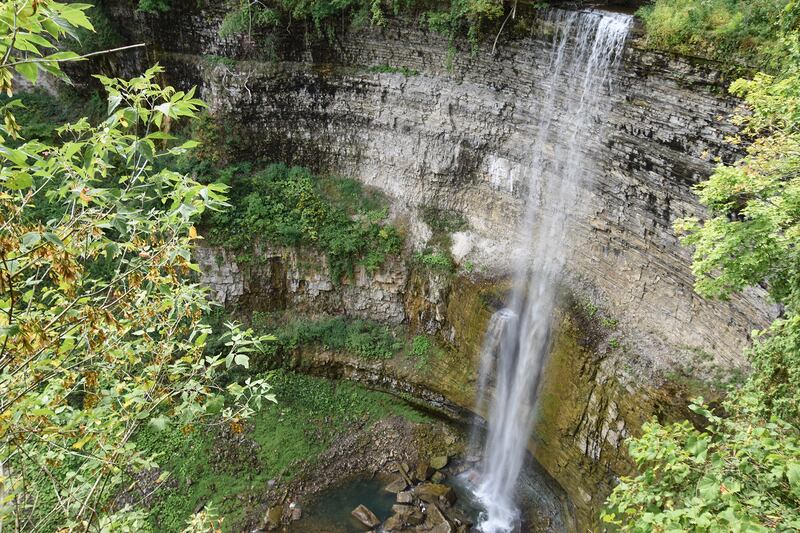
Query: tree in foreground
{"points": [[101, 322], [741, 471]]}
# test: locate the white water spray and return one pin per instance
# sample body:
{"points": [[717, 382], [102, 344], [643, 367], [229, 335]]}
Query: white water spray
{"points": [[586, 48]]}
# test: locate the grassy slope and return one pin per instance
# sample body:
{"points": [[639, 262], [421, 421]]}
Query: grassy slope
{"points": [[310, 414]]}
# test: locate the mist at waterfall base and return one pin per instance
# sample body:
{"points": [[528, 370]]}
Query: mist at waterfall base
{"points": [[586, 48]]}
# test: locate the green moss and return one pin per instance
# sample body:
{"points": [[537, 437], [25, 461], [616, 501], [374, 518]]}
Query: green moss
{"points": [[229, 471]]}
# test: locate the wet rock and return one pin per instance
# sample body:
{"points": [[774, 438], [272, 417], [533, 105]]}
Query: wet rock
{"points": [[272, 520], [398, 485], [435, 493], [405, 497], [439, 462], [365, 516], [437, 477], [401, 509], [423, 472], [394, 523], [415, 517], [438, 521]]}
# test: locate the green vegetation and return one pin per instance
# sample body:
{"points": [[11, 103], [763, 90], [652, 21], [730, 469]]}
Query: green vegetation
{"points": [[435, 260], [464, 17], [220, 60], [733, 475], [41, 113], [292, 207], [104, 36], [259, 19], [100, 318], [739, 471], [443, 223], [155, 6], [739, 30], [229, 465], [364, 338], [421, 349]]}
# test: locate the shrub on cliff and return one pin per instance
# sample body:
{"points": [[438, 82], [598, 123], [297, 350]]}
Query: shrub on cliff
{"points": [[292, 207], [743, 30]]}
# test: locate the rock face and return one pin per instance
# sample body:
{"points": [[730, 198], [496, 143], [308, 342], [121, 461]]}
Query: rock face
{"points": [[278, 278], [457, 136]]}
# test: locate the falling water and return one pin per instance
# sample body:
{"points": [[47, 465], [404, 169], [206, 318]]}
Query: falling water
{"points": [[586, 48]]}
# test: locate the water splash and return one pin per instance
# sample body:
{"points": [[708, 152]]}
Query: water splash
{"points": [[585, 49]]}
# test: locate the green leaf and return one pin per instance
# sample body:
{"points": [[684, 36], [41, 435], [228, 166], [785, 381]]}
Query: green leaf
{"points": [[75, 16], [29, 70], [30, 239], [160, 422], [708, 488], [19, 180], [793, 475], [242, 360], [16, 156]]}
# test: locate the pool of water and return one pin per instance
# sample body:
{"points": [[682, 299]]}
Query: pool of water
{"points": [[329, 511]]}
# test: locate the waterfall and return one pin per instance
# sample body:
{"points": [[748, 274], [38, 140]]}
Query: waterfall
{"points": [[586, 48]]}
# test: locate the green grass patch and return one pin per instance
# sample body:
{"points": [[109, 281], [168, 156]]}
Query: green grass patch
{"points": [[212, 467]]}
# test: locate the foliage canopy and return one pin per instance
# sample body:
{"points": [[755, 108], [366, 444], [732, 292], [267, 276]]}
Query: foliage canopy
{"points": [[101, 328]]}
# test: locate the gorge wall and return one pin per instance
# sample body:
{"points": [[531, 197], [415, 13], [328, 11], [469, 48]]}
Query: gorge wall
{"points": [[456, 134]]}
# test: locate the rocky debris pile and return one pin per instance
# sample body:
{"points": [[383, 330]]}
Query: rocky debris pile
{"points": [[424, 502]]}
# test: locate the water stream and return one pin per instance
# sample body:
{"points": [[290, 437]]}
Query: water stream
{"points": [[586, 48]]}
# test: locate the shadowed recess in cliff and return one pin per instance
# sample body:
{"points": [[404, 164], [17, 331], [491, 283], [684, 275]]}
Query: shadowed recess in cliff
{"points": [[586, 48]]}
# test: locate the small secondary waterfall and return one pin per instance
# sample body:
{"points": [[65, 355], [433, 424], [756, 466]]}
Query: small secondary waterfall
{"points": [[586, 48]]}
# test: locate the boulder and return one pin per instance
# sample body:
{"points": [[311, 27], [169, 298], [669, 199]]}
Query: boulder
{"points": [[435, 493], [397, 485], [439, 462], [438, 521], [365, 517], [401, 509], [405, 497], [437, 477], [423, 472], [393, 523], [272, 520]]}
